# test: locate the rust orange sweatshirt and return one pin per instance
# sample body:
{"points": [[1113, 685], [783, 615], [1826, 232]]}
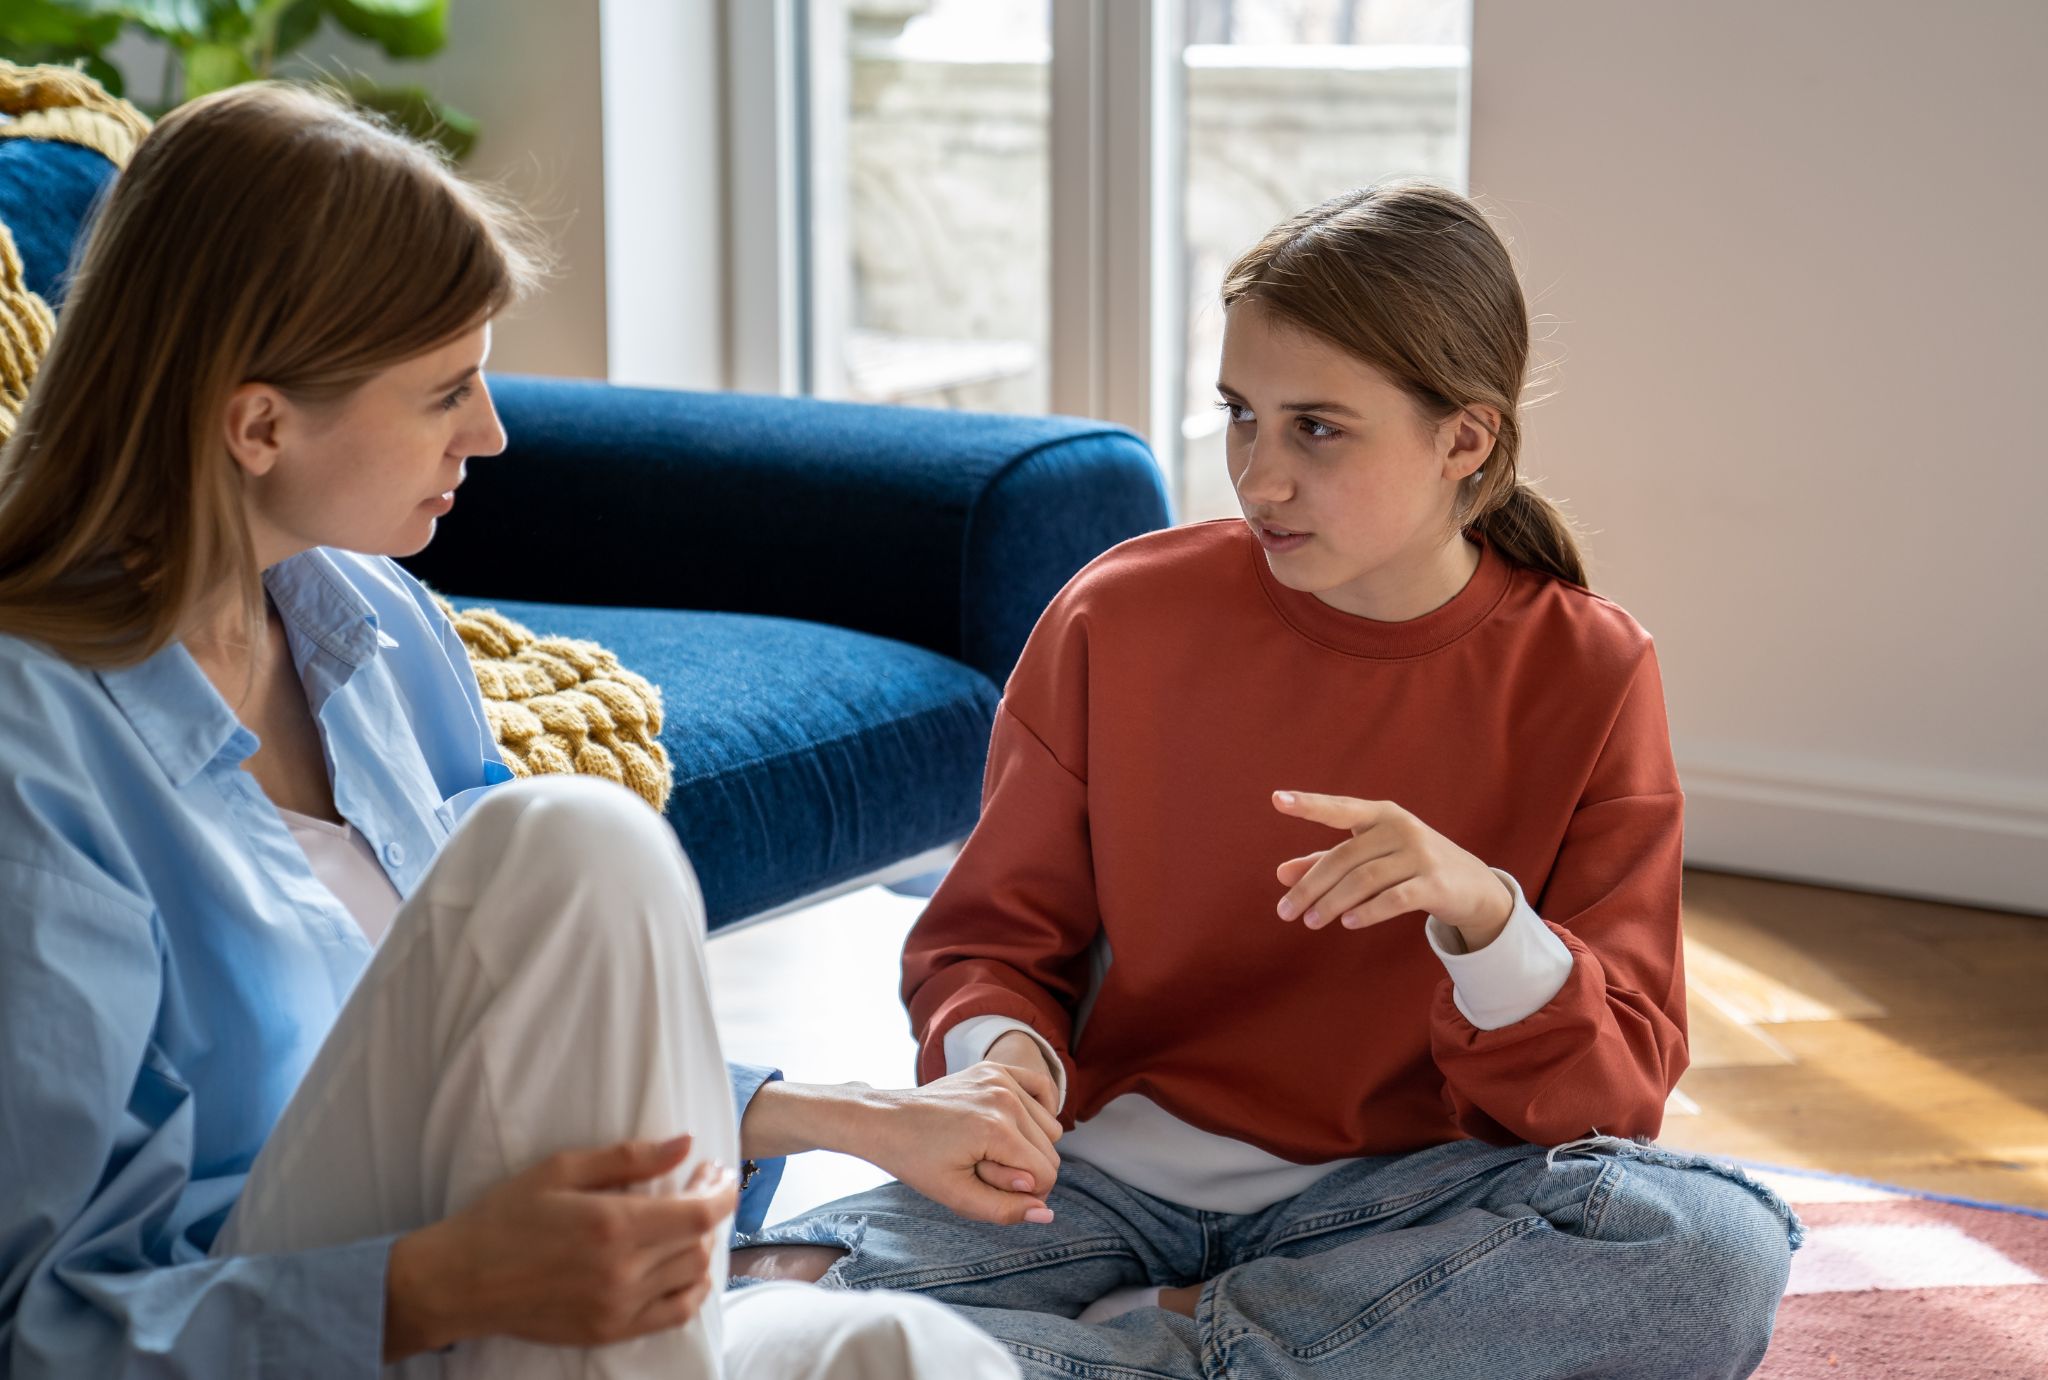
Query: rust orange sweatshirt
{"points": [[1166, 693]]}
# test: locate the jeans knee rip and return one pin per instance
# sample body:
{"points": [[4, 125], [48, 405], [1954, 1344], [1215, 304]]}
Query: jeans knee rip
{"points": [[1587, 1145], [836, 1229], [1649, 1152]]}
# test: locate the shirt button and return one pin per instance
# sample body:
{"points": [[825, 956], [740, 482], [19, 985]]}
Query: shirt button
{"points": [[394, 854]]}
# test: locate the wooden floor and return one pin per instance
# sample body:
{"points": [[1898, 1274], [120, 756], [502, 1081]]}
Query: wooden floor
{"points": [[1896, 1040], [1887, 1039]]}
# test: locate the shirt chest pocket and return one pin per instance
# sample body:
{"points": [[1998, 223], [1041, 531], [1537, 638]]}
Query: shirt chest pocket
{"points": [[451, 812], [158, 1091]]}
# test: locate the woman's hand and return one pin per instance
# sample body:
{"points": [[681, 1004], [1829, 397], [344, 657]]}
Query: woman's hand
{"points": [[559, 1255], [979, 1141], [1393, 863]]}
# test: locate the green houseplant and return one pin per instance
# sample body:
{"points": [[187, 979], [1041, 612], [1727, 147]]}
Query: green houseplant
{"points": [[213, 44]]}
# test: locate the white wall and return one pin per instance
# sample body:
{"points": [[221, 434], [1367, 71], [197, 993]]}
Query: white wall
{"points": [[530, 75], [1792, 257], [533, 82], [604, 117]]}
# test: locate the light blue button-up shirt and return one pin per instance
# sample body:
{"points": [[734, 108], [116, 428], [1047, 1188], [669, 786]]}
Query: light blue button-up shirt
{"points": [[169, 965]]}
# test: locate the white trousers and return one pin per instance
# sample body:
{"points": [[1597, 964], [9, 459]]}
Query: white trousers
{"points": [[544, 990]]}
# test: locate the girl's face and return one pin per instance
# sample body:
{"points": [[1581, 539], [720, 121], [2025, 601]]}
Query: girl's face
{"points": [[374, 471], [1345, 482]]}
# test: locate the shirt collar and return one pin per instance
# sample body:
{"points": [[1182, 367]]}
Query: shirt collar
{"points": [[1368, 637], [317, 602], [176, 712], [182, 719]]}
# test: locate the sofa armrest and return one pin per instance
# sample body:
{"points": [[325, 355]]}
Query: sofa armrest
{"points": [[948, 530]]}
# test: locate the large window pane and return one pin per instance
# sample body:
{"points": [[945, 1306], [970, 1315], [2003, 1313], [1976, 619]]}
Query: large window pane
{"points": [[930, 222], [1290, 102]]}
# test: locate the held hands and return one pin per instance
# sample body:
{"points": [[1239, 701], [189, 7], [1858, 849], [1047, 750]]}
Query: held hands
{"points": [[1021, 1054], [559, 1255], [979, 1141], [1392, 864]]}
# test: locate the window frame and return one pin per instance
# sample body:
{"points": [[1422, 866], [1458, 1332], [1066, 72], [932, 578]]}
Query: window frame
{"points": [[1116, 164]]}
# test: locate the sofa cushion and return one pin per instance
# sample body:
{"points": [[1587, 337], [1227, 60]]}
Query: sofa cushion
{"points": [[805, 755], [61, 138], [47, 193]]}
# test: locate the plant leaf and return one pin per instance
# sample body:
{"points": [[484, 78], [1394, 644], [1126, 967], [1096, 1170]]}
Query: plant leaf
{"points": [[178, 21], [211, 67], [106, 74], [27, 25], [402, 28], [297, 24]]}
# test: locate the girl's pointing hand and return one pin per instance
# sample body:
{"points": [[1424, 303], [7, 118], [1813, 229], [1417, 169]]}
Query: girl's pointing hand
{"points": [[1392, 864]]}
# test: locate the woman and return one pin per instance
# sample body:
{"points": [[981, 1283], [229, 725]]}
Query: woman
{"points": [[322, 1046]]}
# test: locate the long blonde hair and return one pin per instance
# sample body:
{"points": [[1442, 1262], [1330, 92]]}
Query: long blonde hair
{"points": [[1411, 278], [266, 233]]}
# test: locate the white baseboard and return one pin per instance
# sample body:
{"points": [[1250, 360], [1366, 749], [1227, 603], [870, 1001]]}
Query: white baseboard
{"points": [[1973, 840]]}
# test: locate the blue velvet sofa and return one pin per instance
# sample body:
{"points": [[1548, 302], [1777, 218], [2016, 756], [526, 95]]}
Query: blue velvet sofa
{"points": [[829, 595]]}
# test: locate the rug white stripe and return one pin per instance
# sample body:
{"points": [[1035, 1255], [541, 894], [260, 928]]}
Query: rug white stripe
{"points": [[1842, 1259]]}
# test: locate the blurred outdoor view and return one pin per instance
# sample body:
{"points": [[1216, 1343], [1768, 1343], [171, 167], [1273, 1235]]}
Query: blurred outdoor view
{"points": [[944, 195]]}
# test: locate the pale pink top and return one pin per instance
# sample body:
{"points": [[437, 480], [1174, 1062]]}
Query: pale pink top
{"points": [[345, 864]]}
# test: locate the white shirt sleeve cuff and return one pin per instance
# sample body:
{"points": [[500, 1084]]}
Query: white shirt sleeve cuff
{"points": [[968, 1043], [1510, 979]]}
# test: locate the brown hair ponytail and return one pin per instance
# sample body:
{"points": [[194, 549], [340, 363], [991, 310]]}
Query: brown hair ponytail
{"points": [[1411, 278]]}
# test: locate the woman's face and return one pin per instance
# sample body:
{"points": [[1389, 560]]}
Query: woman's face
{"points": [[374, 471], [1346, 483]]}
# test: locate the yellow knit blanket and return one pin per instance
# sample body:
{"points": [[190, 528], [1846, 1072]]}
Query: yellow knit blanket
{"points": [[555, 704], [558, 704], [25, 326]]}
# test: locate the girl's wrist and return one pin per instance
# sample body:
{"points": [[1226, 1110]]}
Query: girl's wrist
{"points": [[1019, 1050], [1493, 915]]}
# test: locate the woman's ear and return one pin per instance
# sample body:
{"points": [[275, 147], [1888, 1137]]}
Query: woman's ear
{"points": [[1466, 439], [250, 426]]}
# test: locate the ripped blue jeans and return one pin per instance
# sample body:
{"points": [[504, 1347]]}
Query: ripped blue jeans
{"points": [[1463, 1261]]}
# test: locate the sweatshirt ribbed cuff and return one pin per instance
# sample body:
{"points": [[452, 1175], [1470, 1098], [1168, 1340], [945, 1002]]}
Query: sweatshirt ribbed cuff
{"points": [[1510, 979]]}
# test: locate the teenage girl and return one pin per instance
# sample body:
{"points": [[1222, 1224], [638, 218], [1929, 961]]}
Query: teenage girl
{"points": [[1330, 862]]}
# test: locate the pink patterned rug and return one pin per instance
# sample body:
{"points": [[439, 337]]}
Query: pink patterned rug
{"points": [[1907, 1286]]}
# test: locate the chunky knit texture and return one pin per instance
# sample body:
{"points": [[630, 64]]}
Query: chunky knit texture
{"points": [[25, 326], [559, 704], [66, 105]]}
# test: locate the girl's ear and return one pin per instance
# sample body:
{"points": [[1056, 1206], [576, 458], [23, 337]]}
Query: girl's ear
{"points": [[1466, 439], [250, 427]]}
